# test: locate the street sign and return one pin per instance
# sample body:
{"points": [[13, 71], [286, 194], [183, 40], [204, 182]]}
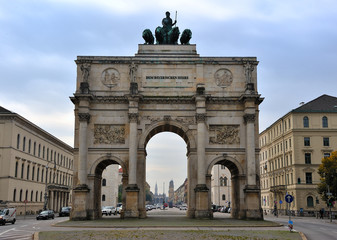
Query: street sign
{"points": [[281, 202], [289, 198]]}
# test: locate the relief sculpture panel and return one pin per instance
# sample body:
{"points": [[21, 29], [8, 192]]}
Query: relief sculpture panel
{"points": [[108, 134], [224, 134]]}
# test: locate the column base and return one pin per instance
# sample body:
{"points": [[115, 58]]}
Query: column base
{"points": [[252, 199], [202, 207], [131, 208], [79, 210]]}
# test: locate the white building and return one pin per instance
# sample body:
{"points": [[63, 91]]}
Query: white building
{"points": [[221, 185]]}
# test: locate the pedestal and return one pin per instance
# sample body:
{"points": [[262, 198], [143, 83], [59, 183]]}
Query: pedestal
{"points": [[202, 208], [131, 208], [79, 209], [253, 210]]}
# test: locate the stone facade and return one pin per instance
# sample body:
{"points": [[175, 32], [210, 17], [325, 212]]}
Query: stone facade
{"points": [[211, 102], [33, 163], [221, 186], [291, 151], [111, 179]]}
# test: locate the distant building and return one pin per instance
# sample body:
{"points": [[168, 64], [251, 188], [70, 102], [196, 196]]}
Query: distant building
{"points": [[171, 194], [111, 179], [158, 198], [36, 167], [291, 151], [221, 185], [180, 195]]}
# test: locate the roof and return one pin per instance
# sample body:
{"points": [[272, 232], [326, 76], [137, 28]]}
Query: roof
{"points": [[4, 110], [324, 103]]}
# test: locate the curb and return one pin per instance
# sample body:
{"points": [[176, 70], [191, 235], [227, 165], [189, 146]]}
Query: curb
{"points": [[303, 236], [36, 236]]}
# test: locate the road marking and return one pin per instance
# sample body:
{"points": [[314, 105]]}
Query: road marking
{"points": [[7, 231], [24, 225]]}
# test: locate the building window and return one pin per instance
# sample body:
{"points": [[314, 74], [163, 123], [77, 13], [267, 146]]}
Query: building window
{"points": [[223, 197], [41, 196], [307, 141], [39, 152], [33, 173], [36, 196], [24, 144], [225, 181], [103, 197], [47, 154], [324, 122], [326, 142], [38, 174], [14, 195], [20, 199], [31, 196], [308, 178], [22, 169], [310, 201], [306, 122], [28, 173], [43, 150], [104, 182], [16, 169], [307, 157], [222, 183], [42, 172], [29, 145], [26, 196], [18, 141], [34, 148]]}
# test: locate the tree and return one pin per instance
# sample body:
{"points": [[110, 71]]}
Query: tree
{"points": [[328, 172]]}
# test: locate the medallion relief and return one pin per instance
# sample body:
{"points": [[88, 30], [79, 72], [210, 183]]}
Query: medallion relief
{"points": [[110, 77], [108, 134], [223, 77], [225, 134]]}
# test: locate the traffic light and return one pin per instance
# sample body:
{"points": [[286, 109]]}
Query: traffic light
{"points": [[330, 202]]}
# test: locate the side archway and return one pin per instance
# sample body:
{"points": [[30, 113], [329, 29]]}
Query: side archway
{"points": [[238, 183], [95, 179]]}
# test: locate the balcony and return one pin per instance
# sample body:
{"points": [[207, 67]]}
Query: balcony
{"points": [[279, 188]]}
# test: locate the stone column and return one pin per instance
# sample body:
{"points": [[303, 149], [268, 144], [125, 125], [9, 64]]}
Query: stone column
{"points": [[52, 200], [83, 148], [133, 118], [202, 208], [132, 190], [250, 148]]}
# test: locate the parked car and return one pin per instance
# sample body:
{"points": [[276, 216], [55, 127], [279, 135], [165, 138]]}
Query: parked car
{"points": [[108, 210], [46, 215], [65, 211], [8, 215], [119, 208], [183, 207]]}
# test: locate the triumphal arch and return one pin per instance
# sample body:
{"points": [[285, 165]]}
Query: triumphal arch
{"points": [[122, 102]]}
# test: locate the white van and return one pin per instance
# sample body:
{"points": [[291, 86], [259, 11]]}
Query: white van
{"points": [[7, 215]]}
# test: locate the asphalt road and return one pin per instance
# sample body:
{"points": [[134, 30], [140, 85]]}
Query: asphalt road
{"points": [[312, 228], [23, 229]]}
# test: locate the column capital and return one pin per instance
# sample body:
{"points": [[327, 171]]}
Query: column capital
{"points": [[133, 117], [84, 117], [249, 118], [200, 117]]}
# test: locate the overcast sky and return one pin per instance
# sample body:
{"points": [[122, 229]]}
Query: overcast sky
{"points": [[294, 40]]}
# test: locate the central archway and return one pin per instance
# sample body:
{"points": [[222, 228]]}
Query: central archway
{"points": [[166, 170], [184, 133]]}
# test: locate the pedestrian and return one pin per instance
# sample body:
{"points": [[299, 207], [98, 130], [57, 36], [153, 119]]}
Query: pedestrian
{"points": [[321, 214]]}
